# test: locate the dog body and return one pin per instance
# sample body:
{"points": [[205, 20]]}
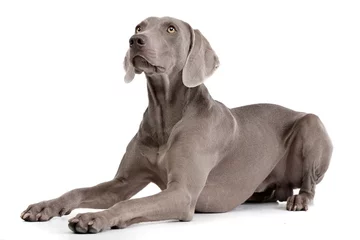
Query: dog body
{"points": [[204, 156]]}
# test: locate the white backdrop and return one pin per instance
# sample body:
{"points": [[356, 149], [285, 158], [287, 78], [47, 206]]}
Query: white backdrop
{"points": [[66, 114]]}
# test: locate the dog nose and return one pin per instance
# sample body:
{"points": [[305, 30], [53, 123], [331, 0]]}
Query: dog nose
{"points": [[138, 41]]}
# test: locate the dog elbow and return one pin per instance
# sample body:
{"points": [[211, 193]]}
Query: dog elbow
{"points": [[184, 206], [186, 211]]}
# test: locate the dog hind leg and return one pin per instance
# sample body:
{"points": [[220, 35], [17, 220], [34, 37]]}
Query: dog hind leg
{"points": [[315, 153]]}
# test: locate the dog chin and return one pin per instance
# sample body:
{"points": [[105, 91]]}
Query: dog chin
{"points": [[142, 65]]}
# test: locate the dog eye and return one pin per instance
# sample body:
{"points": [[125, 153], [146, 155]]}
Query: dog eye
{"points": [[171, 29], [138, 29]]}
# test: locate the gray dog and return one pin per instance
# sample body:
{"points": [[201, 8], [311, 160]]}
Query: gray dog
{"points": [[204, 156]]}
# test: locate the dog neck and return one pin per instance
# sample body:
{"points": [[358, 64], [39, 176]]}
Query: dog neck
{"points": [[169, 98]]}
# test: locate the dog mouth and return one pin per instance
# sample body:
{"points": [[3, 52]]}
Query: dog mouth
{"points": [[141, 64]]}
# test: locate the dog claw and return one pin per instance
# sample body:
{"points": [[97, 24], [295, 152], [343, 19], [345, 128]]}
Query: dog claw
{"points": [[74, 220], [62, 212], [26, 216], [38, 216], [90, 223]]}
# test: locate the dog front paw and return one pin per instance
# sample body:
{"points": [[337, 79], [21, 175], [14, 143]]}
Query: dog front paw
{"points": [[44, 211], [89, 223], [298, 202]]}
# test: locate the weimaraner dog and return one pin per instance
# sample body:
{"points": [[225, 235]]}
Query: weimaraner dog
{"points": [[204, 156]]}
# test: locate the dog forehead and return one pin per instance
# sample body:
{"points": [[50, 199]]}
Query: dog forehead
{"points": [[152, 21]]}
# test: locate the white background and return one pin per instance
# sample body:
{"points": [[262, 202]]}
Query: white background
{"points": [[66, 115]]}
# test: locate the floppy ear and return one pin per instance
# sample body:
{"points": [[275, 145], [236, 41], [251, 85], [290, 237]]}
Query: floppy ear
{"points": [[201, 61], [129, 68]]}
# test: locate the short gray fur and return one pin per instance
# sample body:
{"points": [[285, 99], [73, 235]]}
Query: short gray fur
{"points": [[204, 156]]}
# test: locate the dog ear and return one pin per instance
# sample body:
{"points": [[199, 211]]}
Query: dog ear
{"points": [[201, 62], [129, 68]]}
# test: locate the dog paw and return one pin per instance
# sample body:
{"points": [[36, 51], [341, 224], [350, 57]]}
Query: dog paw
{"points": [[298, 203], [44, 211], [88, 223]]}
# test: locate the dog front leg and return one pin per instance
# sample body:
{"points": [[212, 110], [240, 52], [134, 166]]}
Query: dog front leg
{"points": [[187, 174], [101, 196], [173, 203], [132, 176]]}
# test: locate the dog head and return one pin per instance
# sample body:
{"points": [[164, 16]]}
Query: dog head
{"points": [[169, 46]]}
